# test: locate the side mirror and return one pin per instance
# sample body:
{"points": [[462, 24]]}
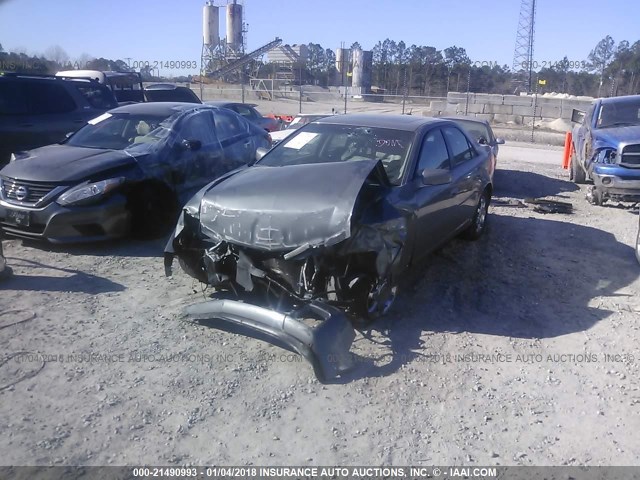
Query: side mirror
{"points": [[260, 152], [436, 176], [577, 116], [500, 141], [192, 144]]}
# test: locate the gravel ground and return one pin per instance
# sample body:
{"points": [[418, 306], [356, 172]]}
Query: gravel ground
{"points": [[518, 349]]}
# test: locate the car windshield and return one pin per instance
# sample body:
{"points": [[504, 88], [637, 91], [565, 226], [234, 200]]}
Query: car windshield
{"points": [[326, 143], [619, 113], [121, 130]]}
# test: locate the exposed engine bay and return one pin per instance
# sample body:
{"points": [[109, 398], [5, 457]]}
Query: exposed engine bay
{"points": [[337, 253]]}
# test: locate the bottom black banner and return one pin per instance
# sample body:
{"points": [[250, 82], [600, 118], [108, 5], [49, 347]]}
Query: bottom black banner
{"points": [[335, 472]]}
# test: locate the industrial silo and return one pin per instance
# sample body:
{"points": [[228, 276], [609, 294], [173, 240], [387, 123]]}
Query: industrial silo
{"points": [[234, 26], [210, 24], [342, 60], [362, 66]]}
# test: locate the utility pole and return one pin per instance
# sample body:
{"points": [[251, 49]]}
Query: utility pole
{"points": [[344, 61], [466, 107], [404, 96], [345, 76], [300, 100], [535, 106]]}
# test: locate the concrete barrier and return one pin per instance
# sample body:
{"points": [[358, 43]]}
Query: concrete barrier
{"points": [[498, 108], [523, 110], [517, 100]]}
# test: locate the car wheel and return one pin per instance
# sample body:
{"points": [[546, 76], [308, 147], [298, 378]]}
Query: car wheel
{"points": [[594, 196], [153, 211], [370, 299], [479, 222], [576, 174]]}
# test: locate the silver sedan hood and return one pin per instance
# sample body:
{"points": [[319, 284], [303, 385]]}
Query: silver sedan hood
{"points": [[282, 208]]}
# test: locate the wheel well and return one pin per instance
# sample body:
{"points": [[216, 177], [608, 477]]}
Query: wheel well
{"points": [[150, 185], [153, 206]]}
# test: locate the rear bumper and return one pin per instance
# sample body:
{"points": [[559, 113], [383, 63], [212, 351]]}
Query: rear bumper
{"points": [[326, 346], [57, 224]]}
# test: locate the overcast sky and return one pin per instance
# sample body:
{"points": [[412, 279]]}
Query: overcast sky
{"points": [[166, 30]]}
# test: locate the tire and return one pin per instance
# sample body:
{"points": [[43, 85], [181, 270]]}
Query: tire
{"points": [[479, 222], [577, 174], [371, 300], [153, 210]]}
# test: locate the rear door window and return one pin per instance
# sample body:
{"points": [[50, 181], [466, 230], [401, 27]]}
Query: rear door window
{"points": [[459, 147], [49, 97], [246, 112], [199, 126], [228, 125]]}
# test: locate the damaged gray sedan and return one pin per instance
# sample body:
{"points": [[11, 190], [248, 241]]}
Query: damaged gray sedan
{"points": [[313, 238]]}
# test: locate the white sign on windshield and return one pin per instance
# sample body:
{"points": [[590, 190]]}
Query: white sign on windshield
{"points": [[101, 118], [300, 140]]}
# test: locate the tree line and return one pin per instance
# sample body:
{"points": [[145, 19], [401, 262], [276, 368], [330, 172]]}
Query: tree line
{"points": [[610, 69]]}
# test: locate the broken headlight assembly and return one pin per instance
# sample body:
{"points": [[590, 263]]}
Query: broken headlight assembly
{"points": [[606, 156]]}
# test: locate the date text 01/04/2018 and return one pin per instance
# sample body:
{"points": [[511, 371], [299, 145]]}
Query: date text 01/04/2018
{"points": [[558, 63], [166, 64]]}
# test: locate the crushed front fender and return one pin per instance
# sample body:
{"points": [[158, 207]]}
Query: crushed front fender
{"points": [[325, 346]]}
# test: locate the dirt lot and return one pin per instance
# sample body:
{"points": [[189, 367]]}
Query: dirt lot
{"points": [[519, 349]]}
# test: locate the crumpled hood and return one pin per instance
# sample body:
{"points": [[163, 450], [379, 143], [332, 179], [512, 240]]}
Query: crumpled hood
{"points": [[281, 208], [65, 164], [612, 137]]}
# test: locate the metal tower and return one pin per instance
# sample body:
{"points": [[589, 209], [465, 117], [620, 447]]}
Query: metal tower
{"points": [[523, 53]]}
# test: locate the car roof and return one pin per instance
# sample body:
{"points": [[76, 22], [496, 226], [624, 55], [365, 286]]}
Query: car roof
{"points": [[621, 99], [397, 122], [162, 86], [158, 108], [467, 119], [314, 114], [222, 103], [46, 77]]}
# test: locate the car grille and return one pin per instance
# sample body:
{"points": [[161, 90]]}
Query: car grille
{"points": [[631, 155], [22, 192]]}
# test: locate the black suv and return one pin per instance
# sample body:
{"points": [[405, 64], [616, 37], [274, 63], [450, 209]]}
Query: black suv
{"points": [[37, 110]]}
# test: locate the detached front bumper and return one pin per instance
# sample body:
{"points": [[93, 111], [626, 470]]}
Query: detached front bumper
{"points": [[326, 346]]}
